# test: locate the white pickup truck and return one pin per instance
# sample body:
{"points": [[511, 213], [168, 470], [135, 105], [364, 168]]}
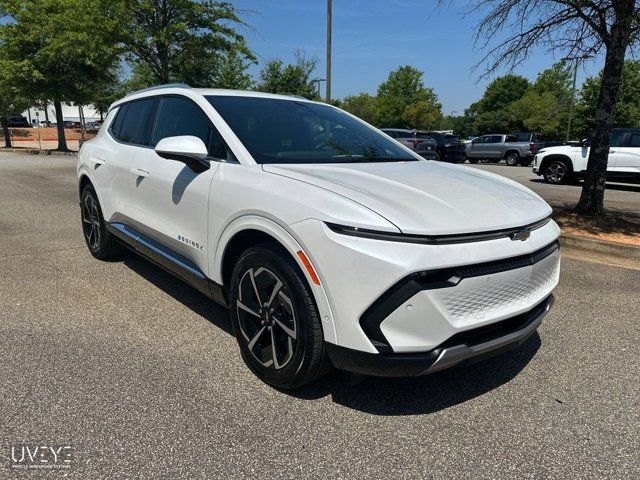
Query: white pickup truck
{"points": [[569, 163]]}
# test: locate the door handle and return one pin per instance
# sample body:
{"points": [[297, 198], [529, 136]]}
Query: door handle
{"points": [[138, 172], [97, 161], [612, 151]]}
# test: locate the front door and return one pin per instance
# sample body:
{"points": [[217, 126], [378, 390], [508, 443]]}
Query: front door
{"points": [[171, 199]]}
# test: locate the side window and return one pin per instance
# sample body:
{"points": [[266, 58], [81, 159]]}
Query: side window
{"points": [[616, 138], [481, 140], [495, 139], [137, 122], [634, 140], [179, 116]]}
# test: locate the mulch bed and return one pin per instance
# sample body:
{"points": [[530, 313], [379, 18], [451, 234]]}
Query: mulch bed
{"points": [[610, 226]]}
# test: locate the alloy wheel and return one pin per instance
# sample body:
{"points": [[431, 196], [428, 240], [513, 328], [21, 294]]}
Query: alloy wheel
{"points": [[266, 317], [91, 221], [556, 172]]}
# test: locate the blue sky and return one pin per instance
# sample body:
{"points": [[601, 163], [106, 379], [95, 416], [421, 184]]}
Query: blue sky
{"points": [[373, 37]]}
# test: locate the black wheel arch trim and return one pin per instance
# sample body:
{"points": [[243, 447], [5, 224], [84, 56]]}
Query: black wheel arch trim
{"points": [[403, 290]]}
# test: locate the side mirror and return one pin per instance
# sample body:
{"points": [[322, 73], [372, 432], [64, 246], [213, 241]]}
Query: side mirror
{"points": [[187, 149], [586, 142]]}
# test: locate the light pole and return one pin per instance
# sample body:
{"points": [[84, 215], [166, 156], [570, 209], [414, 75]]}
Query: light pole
{"points": [[573, 95], [318, 81], [39, 136], [329, 15]]}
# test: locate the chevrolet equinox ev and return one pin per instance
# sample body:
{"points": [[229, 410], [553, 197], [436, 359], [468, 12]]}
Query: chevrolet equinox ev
{"points": [[330, 243]]}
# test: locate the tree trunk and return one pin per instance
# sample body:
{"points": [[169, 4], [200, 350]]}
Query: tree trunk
{"points": [[62, 141], [5, 130], [591, 201], [46, 113]]}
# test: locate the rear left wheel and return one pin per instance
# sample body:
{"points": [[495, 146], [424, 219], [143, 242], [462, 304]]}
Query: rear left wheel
{"points": [[100, 242], [512, 159], [275, 320]]}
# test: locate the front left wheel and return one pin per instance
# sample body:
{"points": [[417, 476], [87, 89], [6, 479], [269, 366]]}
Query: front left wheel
{"points": [[275, 319]]}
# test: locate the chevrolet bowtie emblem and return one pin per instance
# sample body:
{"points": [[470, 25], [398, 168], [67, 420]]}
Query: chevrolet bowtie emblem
{"points": [[522, 235]]}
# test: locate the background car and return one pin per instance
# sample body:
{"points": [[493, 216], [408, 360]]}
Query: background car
{"points": [[516, 148], [449, 147], [568, 163], [17, 121], [423, 143]]}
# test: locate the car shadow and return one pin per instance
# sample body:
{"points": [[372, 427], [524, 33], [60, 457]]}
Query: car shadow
{"points": [[421, 395], [180, 291], [374, 395]]}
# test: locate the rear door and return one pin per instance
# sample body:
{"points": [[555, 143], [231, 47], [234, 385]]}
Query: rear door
{"points": [[626, 156], [171, 199], [113, 159]]}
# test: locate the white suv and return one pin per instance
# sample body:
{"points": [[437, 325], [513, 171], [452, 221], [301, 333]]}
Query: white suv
{"points": [[330, 242], [568, 163]]}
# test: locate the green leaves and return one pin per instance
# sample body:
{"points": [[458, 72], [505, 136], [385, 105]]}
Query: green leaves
{"points": [[404, 101], [181, 40], [292, 79]]}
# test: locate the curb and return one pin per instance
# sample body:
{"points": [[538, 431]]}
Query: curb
{"points": [[595, 247], [35, 151]]}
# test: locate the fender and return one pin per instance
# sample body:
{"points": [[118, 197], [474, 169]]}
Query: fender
{"points": [[255, 222]]}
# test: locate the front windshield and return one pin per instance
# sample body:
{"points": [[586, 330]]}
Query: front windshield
{"points": [[290, 131]]}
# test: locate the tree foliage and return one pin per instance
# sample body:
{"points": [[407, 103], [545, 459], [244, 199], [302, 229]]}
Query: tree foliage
{"points": [[180, 40], [492, 112], [363, 106], [404, 88], [544, 107], [627, 106], [57, 52], [291, 79]]}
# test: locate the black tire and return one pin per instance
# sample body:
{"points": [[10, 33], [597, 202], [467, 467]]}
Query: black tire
{"points": [[512, 159], [557, 172], [100, 242], [288, 319], [473, 160]]}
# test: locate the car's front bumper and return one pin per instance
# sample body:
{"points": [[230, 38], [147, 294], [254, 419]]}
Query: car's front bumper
{"points": [[397, 297], [464, 348]]}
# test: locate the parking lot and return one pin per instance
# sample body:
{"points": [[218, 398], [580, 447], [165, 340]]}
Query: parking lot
{"points": [[141, 375], [620, 197]]}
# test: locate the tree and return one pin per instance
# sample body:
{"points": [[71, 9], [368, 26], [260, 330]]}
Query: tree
{"points": [[292, 79], [403, 88], [57, 52], [491, 113], [180, 40], [232, 72], [363, 106], [12, 100], [577, 30], [544, 107], [424, 115], [627, 105]]}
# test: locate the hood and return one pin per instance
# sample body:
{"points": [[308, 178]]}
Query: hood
{"points": [[428, 198]]}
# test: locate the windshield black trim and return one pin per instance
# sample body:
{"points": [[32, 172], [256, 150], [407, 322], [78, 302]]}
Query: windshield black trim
{"points": [[436, 239]]}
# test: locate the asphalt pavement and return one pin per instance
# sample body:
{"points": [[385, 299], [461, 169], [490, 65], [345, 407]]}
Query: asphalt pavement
{"points": [[140, 374], [622, 197]]}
